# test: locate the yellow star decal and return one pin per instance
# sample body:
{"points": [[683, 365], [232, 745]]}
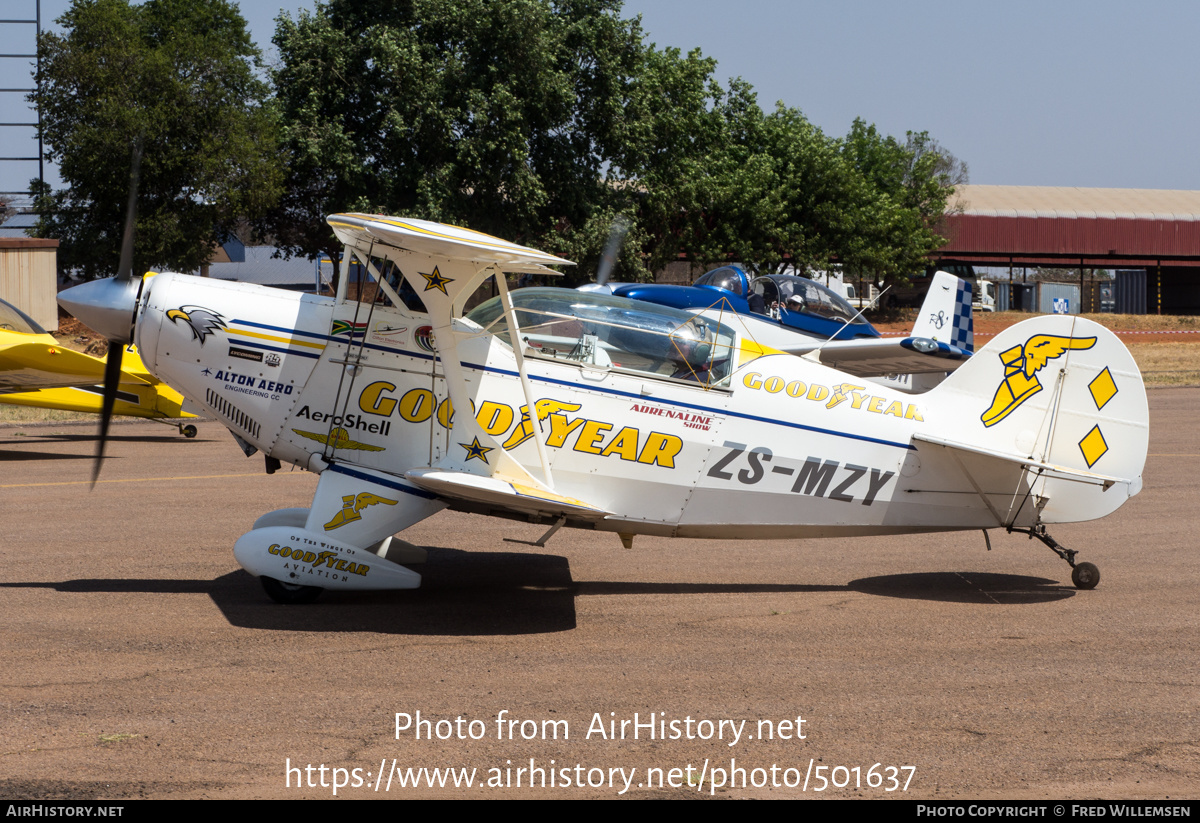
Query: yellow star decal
{"points": [[436, 281], [476, 450]]}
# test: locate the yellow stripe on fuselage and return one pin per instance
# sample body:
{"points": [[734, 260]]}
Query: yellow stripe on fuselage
{"points": [[272, 337], [749, 350]]}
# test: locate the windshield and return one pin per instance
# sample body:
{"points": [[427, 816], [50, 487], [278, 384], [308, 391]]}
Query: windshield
{"points": [[612, 332], [13, 319], [799, 294], [726, 277]]}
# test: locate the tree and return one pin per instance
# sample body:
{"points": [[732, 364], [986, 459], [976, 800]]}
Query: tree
{"points": [[501, 116], [178, 76], [899, 201], [541, 120]]}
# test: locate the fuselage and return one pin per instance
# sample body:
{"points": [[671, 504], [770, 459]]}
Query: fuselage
{"points": [[766, 445]]}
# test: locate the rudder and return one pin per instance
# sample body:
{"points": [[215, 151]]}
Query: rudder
{"points": [[1062, 391]]}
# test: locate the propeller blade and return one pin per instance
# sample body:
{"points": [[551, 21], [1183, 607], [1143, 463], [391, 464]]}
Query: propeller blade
{"points": [[112, 381], [119, 289], [125, 267], [608, 260]]}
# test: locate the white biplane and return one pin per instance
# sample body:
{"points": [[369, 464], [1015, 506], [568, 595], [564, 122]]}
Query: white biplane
{"points": [[585, 410]]}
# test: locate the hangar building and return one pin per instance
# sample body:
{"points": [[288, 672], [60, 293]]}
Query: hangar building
{"points": [[1157, 230]]}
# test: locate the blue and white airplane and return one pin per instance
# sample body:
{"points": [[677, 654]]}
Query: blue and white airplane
{"points": [[800, 316]]}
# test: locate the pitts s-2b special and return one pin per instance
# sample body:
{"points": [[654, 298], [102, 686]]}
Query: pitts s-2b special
{"points": [[586, 410]]}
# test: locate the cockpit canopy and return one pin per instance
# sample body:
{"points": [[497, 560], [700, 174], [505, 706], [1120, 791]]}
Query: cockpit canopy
{"points": [[601, 330], [729, 278], [13, 319], [794, 293]]}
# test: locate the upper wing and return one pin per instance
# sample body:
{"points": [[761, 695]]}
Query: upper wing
{"points": [[442, 241]]}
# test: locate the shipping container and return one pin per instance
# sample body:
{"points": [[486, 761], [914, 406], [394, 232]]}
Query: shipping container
{"points": [[1058, 298], [1130, 291]]}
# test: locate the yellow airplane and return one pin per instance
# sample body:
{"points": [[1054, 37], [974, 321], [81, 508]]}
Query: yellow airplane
{"points": [[36, 370]]}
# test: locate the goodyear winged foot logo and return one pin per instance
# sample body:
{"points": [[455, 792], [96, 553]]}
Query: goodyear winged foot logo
{"points": [[352, 505], [524, 429], [1021, 365], [201, 321]]}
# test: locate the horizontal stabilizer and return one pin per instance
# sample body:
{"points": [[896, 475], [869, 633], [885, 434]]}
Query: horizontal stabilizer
{"points": [[494, 491], [1038, 467]]}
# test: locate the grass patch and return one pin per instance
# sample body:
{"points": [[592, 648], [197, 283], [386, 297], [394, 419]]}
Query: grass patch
{"points": [[107, 739], [1115, 322], [1168, 364], [30, 414]]}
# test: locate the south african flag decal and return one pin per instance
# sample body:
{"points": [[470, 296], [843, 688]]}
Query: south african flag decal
{"points": [[347, 328]]}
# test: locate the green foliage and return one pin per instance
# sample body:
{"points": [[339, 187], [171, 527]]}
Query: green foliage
{"points": [[497, 115], [181, 76], [897, 202], [538, 121]]}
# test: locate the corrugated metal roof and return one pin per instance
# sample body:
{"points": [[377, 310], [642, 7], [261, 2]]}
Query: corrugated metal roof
{"points": [[1058, 236], [1063, 202], [16, 225]]}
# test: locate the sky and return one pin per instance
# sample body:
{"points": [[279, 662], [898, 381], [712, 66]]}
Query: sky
{"points": [[1059, 93]]}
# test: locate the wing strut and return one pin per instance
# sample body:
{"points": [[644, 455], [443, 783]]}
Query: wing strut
{"points": [[539, 436]]}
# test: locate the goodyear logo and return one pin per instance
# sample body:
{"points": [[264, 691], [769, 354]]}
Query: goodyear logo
{"points": [[318, 560], [352, 505], [854, 396], [1021, 365], [512, 427], [579, 434]]}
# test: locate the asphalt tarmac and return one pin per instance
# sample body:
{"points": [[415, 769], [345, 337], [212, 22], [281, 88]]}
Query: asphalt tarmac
{"points": [[138, 660]]}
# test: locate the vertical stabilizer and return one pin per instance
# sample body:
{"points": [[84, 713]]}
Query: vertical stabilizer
{"points": [[945, 315], [1062, 394]]}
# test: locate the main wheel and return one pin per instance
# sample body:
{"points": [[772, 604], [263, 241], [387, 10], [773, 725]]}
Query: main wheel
{"points": [[289, 593], [1085, 576]]}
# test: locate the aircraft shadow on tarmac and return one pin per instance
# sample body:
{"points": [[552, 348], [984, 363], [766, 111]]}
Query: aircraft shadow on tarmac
{"points": [[965, 587], [7, 456], [168, 437], [502, 593], [12, 455]]}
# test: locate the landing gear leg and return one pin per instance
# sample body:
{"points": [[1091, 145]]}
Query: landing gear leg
{"points": [[1083, 575], [186, 429], [289, 593]]}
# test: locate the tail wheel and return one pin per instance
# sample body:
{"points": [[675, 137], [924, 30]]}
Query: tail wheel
{"points": [[289, 593], [1085, 575], [188, 431]]}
